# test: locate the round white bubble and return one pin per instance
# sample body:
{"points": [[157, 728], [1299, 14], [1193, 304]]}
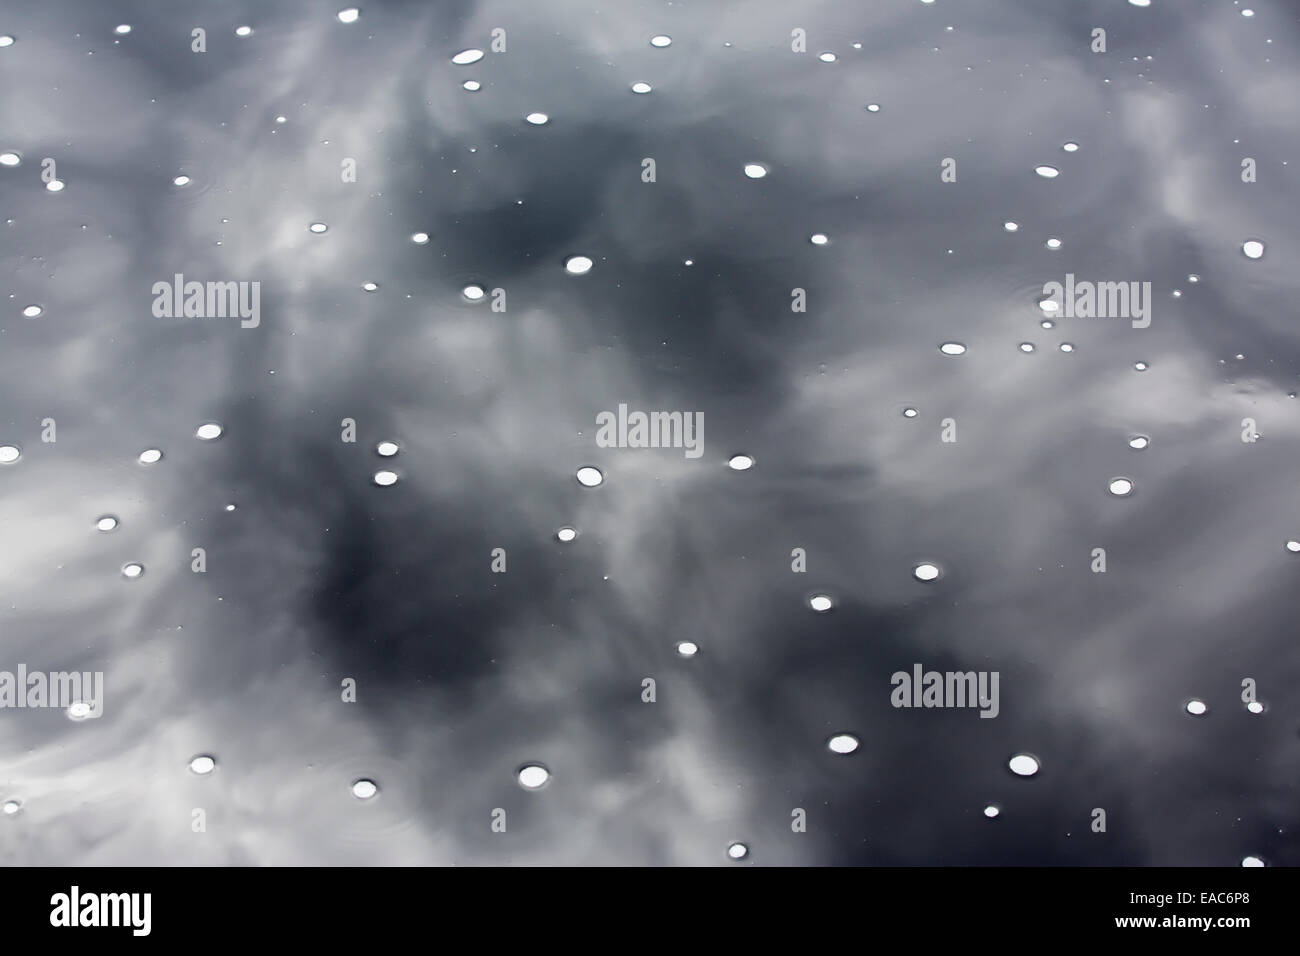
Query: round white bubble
{"points": [[317, 227], [10, 159], [566, 534], [9, 454], [925, 572], [466, 57], [843, 744], [243, 31], [577, 265], [132, 570], [952, 348], [1047, 172], [1252, 861], [1023, 765], [349, 15], [1253, 248], [589, 476], [32, 311], [122, 29], [55, 185], [364, 789], [106, 523], [641, 87], [533, 776], [1011, 226], [473, 292], [755, 170], [687, 648], [737, 851], [661, 41], [385, 478], [1196, 707], [820, 602], [203, 764], [819, 239], [1255, 707], [991, 811], [419, 238], [538, 119], [1120, 487], [149, 456], [387, 448], [472, 85], [208, 431], [740, 462]]}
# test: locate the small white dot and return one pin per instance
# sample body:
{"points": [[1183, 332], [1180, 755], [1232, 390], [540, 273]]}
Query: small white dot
{"points": [[466, 57], [349, 15], [1293, 546], [538, 119], [533, 776], [1255, 707], [737, 851], [364, 789], [106, 523], [1253, 248], [11, 806], [589, 476], [952, 348], [755, 170], [203, 764], [1026, 346], [820, 602], [1067, 347], [1070, 147], [385, 478], [1011, 226], [740, 463], [687, 648], [472, 85], [149, 456], [826, 57], [925, 572], [1023, 765], [420, 238], [473, 292], [181, 180], [843, 743], [55, 185], [1047, 172], [370, 286], [243, 31], [387, 448], [1196, 707], [819, 239], [9, 454], [1139, 442], [641, 87], [873, 107], [991, 811], [132, 570], [1120, 487], [78, 710], [32, 311], [122, 29], [566, 534], [1053, 243], [6, 41], [1252, 861], [208, 431], [577, 265], [661, 41], [318, 227], [10, 159]]}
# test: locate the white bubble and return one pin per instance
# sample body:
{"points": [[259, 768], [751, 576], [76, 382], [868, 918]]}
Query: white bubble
{"points": [[1011, 226], [1139, 442], [910, 412], [419, 238], [533, 775], [589, 476], [819, 239], [1047, 324], [952, 348], [1120, 487], [538, 119], [740, 462], [991, 811], [230, 507], [473, 292], [1049, 305], [1193, 278], [661, 41], [843, 743], [1053, 243], [1026, 346], [1196, 707], [385, 478], [1253, 248], [1255, 707], [466, 57], [1248, 12], [10, 159], [55, 185], [349, 15], [149, 456], [106, 523], [132, 570], [577, 265], [78, 710], [9, 454], [370, 286], [1023, 765], [6, 40], [32, 311], [687, 648], [1047, 172], [820, 602], [11, 806], [925, 572], [826, 57], [1070, 147], [243, 31], [566, 533], [1293, 546], [472, 85], [1252, 861], [282, 119], [122, 29], [737, 851], [317, 227], [364, 789], [1141, 366], [203, 764], [208, 431], [1067, 347], [755, 170], [184, 180], [873, 107], [641, 87], [387, 448], [1140, 3]]}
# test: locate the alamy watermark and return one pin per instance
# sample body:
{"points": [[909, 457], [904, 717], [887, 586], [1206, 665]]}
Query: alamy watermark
{"points": [[81, 694], [624, 429], [179, 299], [922, 688], [1083, 299]]}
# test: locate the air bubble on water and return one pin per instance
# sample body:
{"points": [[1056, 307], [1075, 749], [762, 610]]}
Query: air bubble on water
{"points": [[230, 507], [1047, 172], [820, 602], [1070, 147], [688, 262], [184, 180], [243, 31], [122, 29], [419, 238], [1293, 547], [10, 159], [55, 185], [32, 311], [819, 239], [203, 764], [925, 572], [1253, 248], [991, 811], [1141, 366], [533, 776], [385, 478], [1120, 487], [282, 119], [538, 119], [364, 789], [737, 851], [740, 462], [1140, 3], [589, 476], [473, 292], [132, 570], [78, 710], [1252, 861], [661, 41], [1248, 12], [208, 431], [1048, 305], [1196, 707], [755, 170], [370, 286], [9, 454], [317, 227], [1053, 243], [11, 806], [1139, 442], [1026, 346], [952, 348], [873, 107], [843, 744], [106, 523], [349, 15], [827, 57], [472, 85], [577, 265], [1011, 226], [149, 456], [566, 534], [6, 40], [1047, 324], [387, 448], [1023, 765], [909, 412], [1255, 707], [1067, 347], [641, 87], [1193, 278], [466, 57], [687, 648]]}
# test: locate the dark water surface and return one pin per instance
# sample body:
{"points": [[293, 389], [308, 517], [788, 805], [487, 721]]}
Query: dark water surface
{"points": [[320, 577]]}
